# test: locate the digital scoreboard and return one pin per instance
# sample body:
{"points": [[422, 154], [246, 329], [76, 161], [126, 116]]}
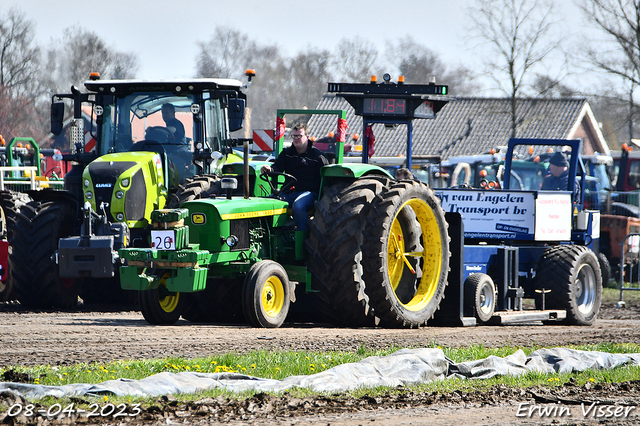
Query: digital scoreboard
{"points": [[392, 101]]}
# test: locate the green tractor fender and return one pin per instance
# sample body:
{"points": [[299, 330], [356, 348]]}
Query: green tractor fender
{"points": [[335, 172]]}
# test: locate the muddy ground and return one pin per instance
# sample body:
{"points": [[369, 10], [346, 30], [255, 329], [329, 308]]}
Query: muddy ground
{"points": [[97, 334]]}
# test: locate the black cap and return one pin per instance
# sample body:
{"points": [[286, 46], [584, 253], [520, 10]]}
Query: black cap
{"points": [[559, 159]]}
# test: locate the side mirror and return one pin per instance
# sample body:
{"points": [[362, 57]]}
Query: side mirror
{"points": [[236, 113], [57, 116]]}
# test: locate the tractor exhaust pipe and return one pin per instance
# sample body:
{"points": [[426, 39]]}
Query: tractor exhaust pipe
{"points": [[245, 186]]}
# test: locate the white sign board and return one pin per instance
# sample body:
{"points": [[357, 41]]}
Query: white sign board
{"points": [[554, 216], [492, 214], [163, 240]]}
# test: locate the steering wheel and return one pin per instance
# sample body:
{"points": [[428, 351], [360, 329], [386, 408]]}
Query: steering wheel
{"points": [[165, 134], [272, 178]]}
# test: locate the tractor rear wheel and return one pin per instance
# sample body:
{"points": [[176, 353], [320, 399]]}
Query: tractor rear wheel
{"points": [[195, 188], [335, 251], [37, 282], [10, 203], [605, 269], [266, 295], [480, 296], [407, 259], [572, 273], [161, 306]]}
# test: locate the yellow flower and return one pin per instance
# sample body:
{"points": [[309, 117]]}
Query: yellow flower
{"points": [[591, 379], [106, 398], [253, 366]]}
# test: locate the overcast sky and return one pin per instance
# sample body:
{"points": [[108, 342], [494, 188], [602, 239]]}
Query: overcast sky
{"points": [[163, 34]]}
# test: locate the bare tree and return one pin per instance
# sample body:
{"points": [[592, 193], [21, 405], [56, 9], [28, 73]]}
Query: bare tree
{"points": [[18, 53], [518, 35], [355, 59], [225, 55], [80, 52], [308, 72], [418, 64], [228, 53], [19, 64], [617, 52]]}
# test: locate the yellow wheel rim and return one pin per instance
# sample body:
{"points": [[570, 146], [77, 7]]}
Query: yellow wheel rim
{"points": [[168, 301], [272, 296], [430, 258]]}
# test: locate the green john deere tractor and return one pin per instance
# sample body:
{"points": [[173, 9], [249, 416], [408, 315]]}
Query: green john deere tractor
{"points": [[377, 251], [137, 146]]}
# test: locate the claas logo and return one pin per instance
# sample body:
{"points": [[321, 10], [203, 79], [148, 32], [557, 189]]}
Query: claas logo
{"points": [[198, 219]]}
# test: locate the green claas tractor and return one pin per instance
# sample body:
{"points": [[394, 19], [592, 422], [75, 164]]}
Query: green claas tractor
{"points": [[147, 145], [377, 251]]}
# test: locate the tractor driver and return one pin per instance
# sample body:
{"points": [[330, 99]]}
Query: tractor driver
{"points": [[173, 124], [558, 177], [303, 161]]}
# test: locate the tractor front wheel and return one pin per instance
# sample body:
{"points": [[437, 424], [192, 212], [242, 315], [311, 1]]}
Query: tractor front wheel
{"points": [[480, 295], [161, 306], [266, 295]]}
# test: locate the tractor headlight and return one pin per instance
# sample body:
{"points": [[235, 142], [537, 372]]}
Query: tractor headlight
{"points": [[120, 216], [119, 194], [88, 195], [86, 182], [231, 241], [125, 182], [229, 183]]}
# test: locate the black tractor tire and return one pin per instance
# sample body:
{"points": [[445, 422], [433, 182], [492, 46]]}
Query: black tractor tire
{"points": [[195, 188], [572, 273], [266, 295], [159, 306], [605, 268], [407, 249], [11, 202], [480, 296], [36, 280], [335, 251]]}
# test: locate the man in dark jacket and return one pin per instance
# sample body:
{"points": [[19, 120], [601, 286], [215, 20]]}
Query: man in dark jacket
{"points": [[174, 125], [558, 179], [304, 162]]}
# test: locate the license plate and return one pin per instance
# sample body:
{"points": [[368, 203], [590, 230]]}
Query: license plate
{"points": [[163, 240]]}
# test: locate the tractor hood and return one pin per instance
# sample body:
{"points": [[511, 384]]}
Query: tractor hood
{"points": [[237, 208], [211, 220], [131, 185]]}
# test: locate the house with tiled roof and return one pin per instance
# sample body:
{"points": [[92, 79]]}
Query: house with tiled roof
{"points": [[468, 126]]}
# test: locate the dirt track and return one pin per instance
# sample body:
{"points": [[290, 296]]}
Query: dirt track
{"points": [[56, 338]]}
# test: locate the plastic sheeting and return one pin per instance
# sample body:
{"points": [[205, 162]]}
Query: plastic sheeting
{"points": [[405, 367]]}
